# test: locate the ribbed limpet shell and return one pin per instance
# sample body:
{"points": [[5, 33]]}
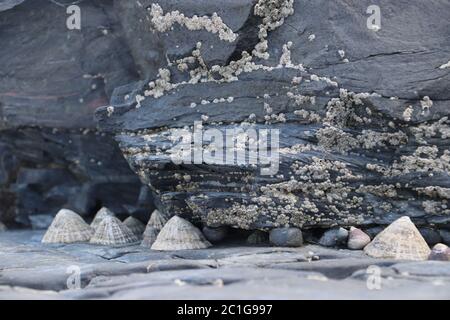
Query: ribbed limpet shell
{"points": [[400, 240], [67, 227], [180, 234], [157, 220], [100, 215], [135, 225], [111, 231]]}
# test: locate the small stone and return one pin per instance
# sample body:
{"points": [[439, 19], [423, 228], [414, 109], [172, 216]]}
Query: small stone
{"points": [[334, 237], [215, 235], [286, 237], [431, 236], [357, 239], [445, 234], [180, 234], [2, 227], [440, 252], [258, 237]]}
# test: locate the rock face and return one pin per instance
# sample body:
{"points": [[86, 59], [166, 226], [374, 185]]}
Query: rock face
{"points": [[80, 68], [52, 79], [362, 115], [42, 171], [8, 4]]}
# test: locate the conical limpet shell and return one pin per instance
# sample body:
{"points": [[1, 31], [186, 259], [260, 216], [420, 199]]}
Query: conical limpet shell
{"points": [[101, 214], [400, 240], [357, 239], [111, 231], [179, 234], [157, 220], [149, 237], [135, 225], [67, 227]]}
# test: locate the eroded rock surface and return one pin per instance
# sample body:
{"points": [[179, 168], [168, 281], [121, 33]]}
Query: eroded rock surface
{"points": [[51, 81], [42, 171], [31, 270], [362, 114]]}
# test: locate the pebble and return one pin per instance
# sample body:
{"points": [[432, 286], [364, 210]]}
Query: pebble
{"points": [[334, 237], [215, 234], [440, 252], [286, 237], [357, 239]]}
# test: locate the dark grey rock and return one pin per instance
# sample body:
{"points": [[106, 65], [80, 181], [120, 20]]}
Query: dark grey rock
{"points": [[445, 234], [440, 252], [51, 82], [286, 237], [80, 67], [8, 4], [373, 231], [334, 237], [40, 221], [45, 170], [354, 142], [150, 50], [215, 235], [431, 236]]}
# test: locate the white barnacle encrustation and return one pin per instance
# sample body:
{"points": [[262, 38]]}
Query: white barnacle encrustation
{"points": [[273, 13], [214, 24], [110, 111], [408, 113], [160, 85], [139, 99], [445, 65], [426, 104]]}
